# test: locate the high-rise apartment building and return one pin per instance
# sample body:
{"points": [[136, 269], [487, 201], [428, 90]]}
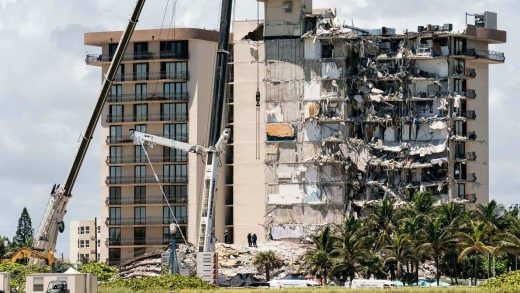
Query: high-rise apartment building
{"points": [[163, 87], [82, 241], [349, 116]]}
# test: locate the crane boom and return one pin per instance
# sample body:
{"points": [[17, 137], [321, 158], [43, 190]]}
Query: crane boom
{"points": [[52, 221], [140, 138]]}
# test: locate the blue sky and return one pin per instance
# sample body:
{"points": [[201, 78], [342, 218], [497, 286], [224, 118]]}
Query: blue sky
{"points": [[48, 92]]}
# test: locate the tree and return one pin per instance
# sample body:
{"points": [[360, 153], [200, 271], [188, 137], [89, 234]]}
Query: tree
{"points": [[267, 261], [24, 231], [349, 249], [398, 253], [472, 243], [437, 239], [382, 221], [4, 245], [318, 259]]}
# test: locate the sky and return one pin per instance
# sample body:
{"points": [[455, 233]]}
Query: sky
{"points": [[48, 91]]}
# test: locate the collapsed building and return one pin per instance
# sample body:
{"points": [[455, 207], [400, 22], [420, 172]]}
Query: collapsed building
{"points": [[350, 115]]}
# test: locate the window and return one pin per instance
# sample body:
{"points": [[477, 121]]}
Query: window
{"points": [[115, 154], [116, 93], [140, 127], [174, 49], [460, 150], [120, 73], [140, 156], [140, 112], [140, 174], [139, 235], [139, 215], [460, 46], [287, 6], [141, 50], [175, 173], [114, 254], [179, 212], [115, 216], [176, 111], [459, 171], [140, 195], [82, 244], [461, 190], [141, 71], [115, 175], [114, 236], [173, 155], [174, 70], [38, 284], [114, 195], [141, 90], [111, 50], [459, 85], [87, 230], [176, 131], [326, 50], [176, 193], [115, 113], [176, 90], [81, 230], [166, 235], [460, 128], [87, 243], [116, 132], [138, 251]]}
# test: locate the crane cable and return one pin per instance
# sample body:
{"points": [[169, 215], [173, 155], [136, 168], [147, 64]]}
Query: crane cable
{"points": [[257, 85], [164, 195]]}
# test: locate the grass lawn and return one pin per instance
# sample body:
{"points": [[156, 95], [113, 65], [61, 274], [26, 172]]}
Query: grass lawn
{"points": [[324, 290]]}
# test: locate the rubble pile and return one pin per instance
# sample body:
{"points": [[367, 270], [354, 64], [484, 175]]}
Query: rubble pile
{"points": [[146, 265]]}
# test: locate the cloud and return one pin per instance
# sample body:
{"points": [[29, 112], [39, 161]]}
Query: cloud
{"points": [[47, 92]]}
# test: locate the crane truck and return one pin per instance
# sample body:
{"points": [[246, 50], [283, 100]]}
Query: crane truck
{"points": [[52, 221], [206, 259]]}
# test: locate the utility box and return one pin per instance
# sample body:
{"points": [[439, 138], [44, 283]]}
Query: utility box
{"points": [[4, 283], [61, 283]]}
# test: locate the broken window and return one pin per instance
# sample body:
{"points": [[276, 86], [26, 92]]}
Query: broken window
{"points": [[459, 46], [459, 171], [326, 50], [460, 150], [461, 190]]}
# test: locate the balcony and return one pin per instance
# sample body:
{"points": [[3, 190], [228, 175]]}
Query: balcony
{"points": [[149, 97], [121, 140], [467, 94], [115, 180], [114, 160], [160, 75], [468, 177], [155, 199], [493, 56], [144, 221], [92, 59], [147, 118], [468, 115], [137, 241], [470, 72]]}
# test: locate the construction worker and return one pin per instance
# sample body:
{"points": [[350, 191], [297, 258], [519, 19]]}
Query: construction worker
{"points": [[253, 239], [249, 240]]}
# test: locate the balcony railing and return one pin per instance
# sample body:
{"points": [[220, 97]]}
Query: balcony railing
{"points": [[470, 72], [468, 94], [143, 118], [486, 54], [127, 139], [470, 197], [469, 156], [155, 199], [142, 159], [469, 177], [137, 241], [145, 221], [97, 58], [138, 76], [149, 97], [145, 179], [468, 114]]}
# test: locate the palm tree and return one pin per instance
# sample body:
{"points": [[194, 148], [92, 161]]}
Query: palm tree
{"points": [[437, 238], [349, 249], [472, 243], [451, 214], [382, 221], [510, 240], [398, 252], [318, 259], [266, 261]]}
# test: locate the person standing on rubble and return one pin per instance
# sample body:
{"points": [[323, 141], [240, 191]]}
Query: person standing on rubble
{"points": [[253, 239], [249, 240]]}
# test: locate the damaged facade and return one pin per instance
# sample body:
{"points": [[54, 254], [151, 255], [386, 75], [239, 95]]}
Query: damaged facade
{"points": [[351, 115]]}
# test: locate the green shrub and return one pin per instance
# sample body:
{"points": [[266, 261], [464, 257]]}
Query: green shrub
{"points": [[102, 271], [19, 272], [166, 282], [509, 282]]}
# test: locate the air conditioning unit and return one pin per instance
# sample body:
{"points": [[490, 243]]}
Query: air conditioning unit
{"points": [[447, 27]]}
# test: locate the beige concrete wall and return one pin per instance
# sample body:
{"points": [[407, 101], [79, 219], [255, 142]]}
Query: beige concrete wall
{"points": [[249, 182], [75, 237], [4, 282], [76, 283], [282, 23]]}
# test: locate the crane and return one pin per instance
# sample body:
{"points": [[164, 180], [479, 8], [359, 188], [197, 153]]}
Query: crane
{"points": [[216, 143], [52, 221]]}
